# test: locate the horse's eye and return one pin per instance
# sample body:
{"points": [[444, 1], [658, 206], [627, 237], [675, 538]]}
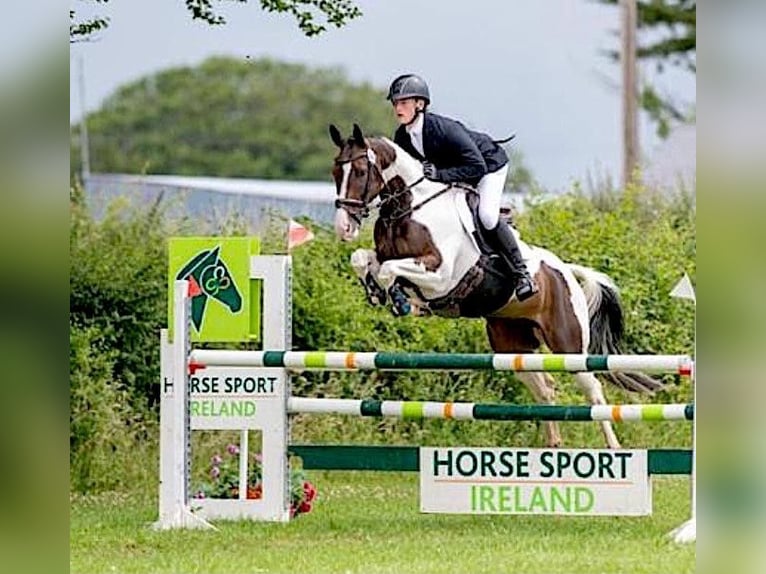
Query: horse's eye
{"points": [[360, 172]]}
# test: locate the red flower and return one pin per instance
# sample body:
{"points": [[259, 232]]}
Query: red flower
{"points": [[309, 491], [254, 492], [305, 506]]}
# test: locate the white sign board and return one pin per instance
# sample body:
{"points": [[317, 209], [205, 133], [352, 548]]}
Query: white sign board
{"points": [[534, 481], [234, 398]]}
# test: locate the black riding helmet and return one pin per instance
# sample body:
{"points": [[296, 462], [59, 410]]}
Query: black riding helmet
{"points": [[409, 86]]}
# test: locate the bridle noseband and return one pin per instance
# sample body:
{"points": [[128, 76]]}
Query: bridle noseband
{"points": [[359, 209]]}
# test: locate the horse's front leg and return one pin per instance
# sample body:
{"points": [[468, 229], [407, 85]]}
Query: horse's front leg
{"points": [[416, 272], [366, 266]]}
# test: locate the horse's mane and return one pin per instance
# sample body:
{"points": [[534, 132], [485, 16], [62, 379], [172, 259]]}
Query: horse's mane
{"points": [[404, 160]]}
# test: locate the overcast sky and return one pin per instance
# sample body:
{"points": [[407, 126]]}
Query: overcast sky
{"points": [[531, 67]]}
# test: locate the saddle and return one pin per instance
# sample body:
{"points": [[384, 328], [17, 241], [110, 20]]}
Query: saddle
{"points": [[485, 288], [506, 214]]}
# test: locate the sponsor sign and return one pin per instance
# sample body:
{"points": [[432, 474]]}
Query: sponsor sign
{"points": [[534, 481], [225, 302]]}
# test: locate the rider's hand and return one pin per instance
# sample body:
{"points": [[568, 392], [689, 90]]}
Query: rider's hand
{"points": [[429, 171]]}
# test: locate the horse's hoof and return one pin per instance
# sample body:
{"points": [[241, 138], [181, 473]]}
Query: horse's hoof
{"points": [[400, 305], [374, 301], [401, 311], [400, 308], [375, 293]]}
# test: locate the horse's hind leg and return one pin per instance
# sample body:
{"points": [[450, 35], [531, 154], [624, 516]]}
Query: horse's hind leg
{"points": [[518, 336], [567, 337], [593, 390]]}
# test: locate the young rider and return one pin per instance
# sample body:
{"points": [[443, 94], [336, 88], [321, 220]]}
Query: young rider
{"points": [[452, 153]]}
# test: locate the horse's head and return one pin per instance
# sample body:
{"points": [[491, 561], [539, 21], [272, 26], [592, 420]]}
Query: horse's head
{"points": [[358, 174]]}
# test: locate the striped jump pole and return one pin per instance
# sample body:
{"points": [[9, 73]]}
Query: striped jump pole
{"points": [[415, 410], [391, 361]]}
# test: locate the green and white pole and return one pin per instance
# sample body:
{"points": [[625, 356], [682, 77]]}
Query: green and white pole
{"points": [[416, 410], [393, 361]]}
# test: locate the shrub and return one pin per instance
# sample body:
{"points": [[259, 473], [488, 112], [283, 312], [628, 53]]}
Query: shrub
{"points": [[118, 269], [110, 441]]}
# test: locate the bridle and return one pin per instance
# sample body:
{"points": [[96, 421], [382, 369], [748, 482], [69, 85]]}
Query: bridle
{"points": [[359, 209]]}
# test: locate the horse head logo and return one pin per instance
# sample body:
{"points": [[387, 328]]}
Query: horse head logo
{"points": [[208, 276]]}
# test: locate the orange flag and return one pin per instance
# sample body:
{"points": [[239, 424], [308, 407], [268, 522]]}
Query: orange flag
{"points": [[297, 235]]}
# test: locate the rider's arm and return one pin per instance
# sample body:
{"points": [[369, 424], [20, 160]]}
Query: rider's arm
{"points": [[458, 153]]}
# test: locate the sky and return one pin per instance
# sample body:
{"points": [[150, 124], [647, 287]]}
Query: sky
{"points": [[534, 68]]}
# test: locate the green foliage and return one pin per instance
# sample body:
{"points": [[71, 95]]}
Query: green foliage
{"points": [[520, 177], [227, 117], [110, 440], [660, 110], [644, 243], [221, 479], [81, 29], [673, 27], [118, 269], [312, 16], [335, 12]]}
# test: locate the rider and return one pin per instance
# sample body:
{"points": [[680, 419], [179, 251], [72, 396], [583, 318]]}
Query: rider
{"points": [[452, 153]]}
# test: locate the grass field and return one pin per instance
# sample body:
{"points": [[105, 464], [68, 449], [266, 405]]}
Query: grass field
{"points": [[368, 522]]}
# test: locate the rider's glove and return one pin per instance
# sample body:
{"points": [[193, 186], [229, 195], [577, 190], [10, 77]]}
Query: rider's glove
{"points": [[430, 171]]}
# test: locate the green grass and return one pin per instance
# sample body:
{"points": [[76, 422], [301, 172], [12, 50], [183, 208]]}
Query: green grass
{"points": [[368, 522]]}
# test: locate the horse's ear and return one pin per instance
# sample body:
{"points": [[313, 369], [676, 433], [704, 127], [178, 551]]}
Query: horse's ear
{"points": [[335, 136], [358, 136]]}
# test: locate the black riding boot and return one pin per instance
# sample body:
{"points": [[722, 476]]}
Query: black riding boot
{"points": [[505, 243]]}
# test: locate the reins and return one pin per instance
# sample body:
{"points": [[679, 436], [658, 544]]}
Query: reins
{"points": [[359, 209]]}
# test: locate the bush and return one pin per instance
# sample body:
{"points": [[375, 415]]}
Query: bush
{"points": [[110, 441], [118, 270]]}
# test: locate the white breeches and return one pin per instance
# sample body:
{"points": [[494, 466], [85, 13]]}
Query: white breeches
{"points": [[490, 190]]}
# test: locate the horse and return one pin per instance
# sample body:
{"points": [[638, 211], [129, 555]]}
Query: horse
{"points": [[429, 257]]}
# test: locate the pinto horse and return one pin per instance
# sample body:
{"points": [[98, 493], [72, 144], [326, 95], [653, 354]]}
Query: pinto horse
{"points": [[429, 256]]}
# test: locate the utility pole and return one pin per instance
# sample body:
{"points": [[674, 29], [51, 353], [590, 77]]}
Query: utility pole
{"points": [[629, 91], [84, 150]]}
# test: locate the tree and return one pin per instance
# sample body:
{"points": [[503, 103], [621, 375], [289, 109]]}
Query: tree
{"points": [[230, 118], [671, 29], [312, 16], [520, 177]]}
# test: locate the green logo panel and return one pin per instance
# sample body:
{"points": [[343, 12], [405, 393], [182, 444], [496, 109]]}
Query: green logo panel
{"points": [[225, 303]]}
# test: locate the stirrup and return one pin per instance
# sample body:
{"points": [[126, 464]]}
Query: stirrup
{"points": [[525, 288]]}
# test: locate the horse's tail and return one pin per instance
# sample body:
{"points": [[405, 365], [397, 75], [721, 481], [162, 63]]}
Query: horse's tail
{"points": [[607, 326]]}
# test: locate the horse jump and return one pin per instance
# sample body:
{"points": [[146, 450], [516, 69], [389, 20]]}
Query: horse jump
{"points": [[180, 363]]}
